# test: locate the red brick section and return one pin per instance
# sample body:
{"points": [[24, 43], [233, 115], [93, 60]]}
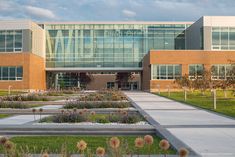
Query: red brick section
{"points": [[33, 71], [183, 57]]}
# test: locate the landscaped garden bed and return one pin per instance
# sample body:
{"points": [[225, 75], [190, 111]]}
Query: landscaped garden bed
{"points": [[121, 116], [103, 95], [96, 104], [16, 105], [61, 92], [45, 96], [26, 97], [88, 145]]}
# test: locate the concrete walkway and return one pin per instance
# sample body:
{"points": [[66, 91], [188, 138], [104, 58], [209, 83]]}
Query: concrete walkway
{"points": [[20, 119], [208, 134]]}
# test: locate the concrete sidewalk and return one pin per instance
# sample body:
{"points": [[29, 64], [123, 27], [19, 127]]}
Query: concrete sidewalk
{"points": [[208, 134]]}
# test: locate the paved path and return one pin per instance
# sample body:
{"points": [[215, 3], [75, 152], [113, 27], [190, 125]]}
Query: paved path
{"points": [[19, 120], [208, 134], [49, 107]]}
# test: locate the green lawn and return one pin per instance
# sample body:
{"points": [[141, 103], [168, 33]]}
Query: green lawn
{"points": [[4, 115], [52, 144], [224, 105], [4, 93]]}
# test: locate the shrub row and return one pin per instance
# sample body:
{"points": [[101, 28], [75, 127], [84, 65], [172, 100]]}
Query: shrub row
{"points": [[26, 97], [18, 105], [86, 116], [89, 105], [105, 95]]}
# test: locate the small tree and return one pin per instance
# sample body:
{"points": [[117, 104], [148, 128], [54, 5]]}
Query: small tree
{"points": [[40, 112], [184, 82], [34, 110], [204, 82], [85, 79], [122, 77], [231, 77], [229, 81]]}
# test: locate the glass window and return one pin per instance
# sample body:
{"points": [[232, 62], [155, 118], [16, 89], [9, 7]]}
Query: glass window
{"points": [[10, 40], [2, 41], [110, 85], [221, 71], [214, 71], [195, 70], [19, 73], [170, 72], [223, 38], [216, 36], [4, 73], [232, 37], [162, 72], [166, 71], [18, 41], [178, 70], [11, 73]]}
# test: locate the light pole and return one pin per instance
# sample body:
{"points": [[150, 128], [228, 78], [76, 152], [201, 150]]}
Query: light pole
{"points": [[214, 99], [9, 90], [168, 89], [158, 87], [185, 94]]}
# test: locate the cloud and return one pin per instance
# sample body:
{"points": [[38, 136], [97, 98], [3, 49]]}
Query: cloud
{"points": [[114, 10], [128, 13], [40, 12], [7, 6]]}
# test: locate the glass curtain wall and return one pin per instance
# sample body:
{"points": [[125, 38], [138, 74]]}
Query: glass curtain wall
{"points": [[108, 45]]}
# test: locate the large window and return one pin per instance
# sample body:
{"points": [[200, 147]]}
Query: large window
{"points": [[10, 40], [165, 71], [11, 73], [223, 38], [195, 70], [221, 71]]}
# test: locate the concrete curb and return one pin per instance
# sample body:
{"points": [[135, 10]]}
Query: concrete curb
{"points": [[76, 130], [57, 111]]}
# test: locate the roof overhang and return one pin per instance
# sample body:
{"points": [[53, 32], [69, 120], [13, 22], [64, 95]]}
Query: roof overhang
{"points": [[94, 69]]}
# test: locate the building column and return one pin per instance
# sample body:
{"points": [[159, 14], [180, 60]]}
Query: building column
{"points": [[56, 81]]}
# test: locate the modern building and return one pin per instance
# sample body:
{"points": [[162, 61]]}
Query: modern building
{"points": [[37, 56]]}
